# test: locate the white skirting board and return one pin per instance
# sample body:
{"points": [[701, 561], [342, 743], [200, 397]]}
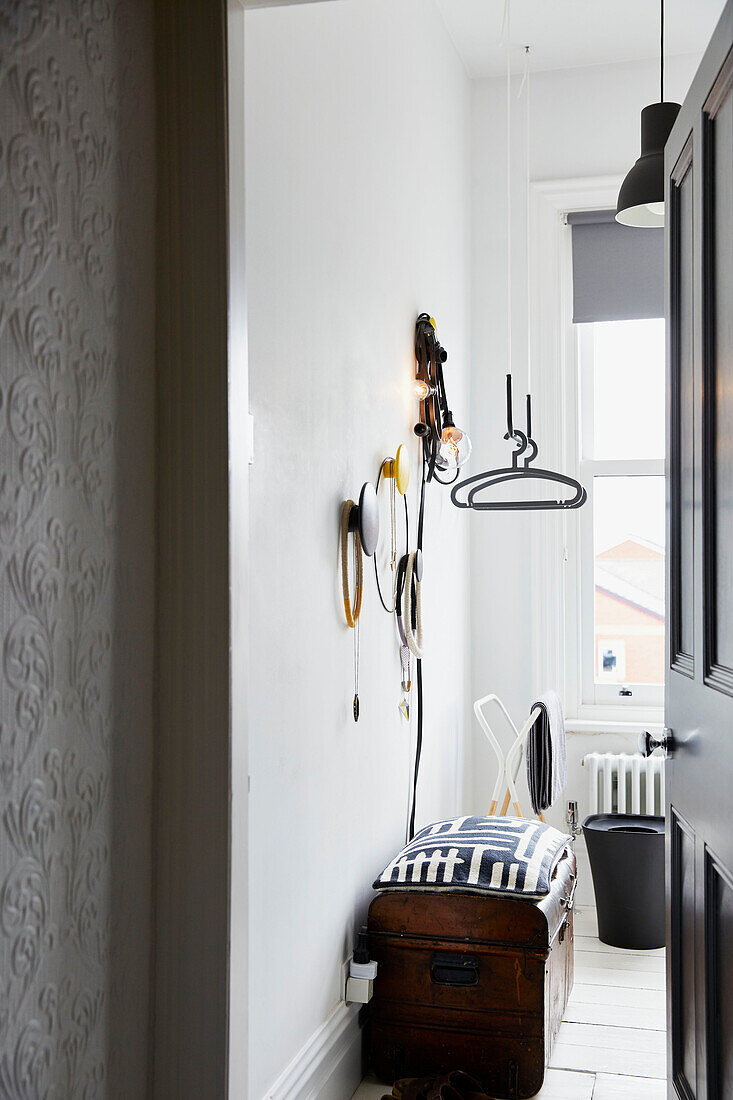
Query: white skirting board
{"points": [[328, 1065]]}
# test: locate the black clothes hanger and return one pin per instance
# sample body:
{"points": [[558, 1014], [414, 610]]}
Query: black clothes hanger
{"points": [[527, 449]]}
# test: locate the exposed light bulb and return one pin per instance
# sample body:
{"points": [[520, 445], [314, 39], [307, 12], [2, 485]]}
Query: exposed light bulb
{"points": [[454, 449], [423, 389], [451, 434]]}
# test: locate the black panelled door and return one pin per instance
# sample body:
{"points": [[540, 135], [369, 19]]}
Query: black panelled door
{"points": [[699, 687]]}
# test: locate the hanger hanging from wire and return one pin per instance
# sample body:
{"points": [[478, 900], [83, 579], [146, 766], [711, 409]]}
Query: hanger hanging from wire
{"points": [[526, 449], [466, 494]]}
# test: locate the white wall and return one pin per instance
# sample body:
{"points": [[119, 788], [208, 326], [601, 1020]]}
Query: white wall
{"points": [[357, 142], [585, 122]]}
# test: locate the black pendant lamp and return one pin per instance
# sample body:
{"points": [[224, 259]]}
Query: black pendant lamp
{"points": [[641, 198]]}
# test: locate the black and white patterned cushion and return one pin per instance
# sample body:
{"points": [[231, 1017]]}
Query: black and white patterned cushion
{"points": [[505, 855]]}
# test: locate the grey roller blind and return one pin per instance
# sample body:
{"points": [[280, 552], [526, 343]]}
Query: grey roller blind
{"points": [[618, 271]]}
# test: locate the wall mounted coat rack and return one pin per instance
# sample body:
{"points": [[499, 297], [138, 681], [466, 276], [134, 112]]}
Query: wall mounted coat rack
{"points": [[398, 468], [364, 518]]}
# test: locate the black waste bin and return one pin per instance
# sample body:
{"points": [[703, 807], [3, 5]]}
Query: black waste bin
{"points": [[626, 854]]}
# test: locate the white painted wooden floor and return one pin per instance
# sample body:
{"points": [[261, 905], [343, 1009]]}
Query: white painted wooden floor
{"points": [[612, 1040]]}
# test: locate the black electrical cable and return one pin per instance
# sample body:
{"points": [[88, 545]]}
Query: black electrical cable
{"points": [[454, 478], [441, 384], [430, 357], [421, 513], [418, 750], [401, 571], [418, 745]]}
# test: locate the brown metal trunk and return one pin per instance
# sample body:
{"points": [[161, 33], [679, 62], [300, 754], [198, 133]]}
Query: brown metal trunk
{"points": [[478, 983]]}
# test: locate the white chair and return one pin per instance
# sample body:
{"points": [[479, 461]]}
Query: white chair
{"points": [[508, 763]]}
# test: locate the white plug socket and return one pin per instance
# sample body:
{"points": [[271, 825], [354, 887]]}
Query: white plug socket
{"points": [[359, 990]]}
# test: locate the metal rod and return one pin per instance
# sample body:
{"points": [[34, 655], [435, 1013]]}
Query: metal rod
{"points": [[662, 51], [508, 185]]}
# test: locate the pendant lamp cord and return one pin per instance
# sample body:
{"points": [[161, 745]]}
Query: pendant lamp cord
{"points": [[525, 87], [507, 30], [527, 144], [418, 752], [662, 51]]}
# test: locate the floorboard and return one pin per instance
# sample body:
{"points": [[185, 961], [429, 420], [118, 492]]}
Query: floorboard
{"points": [[601, 1059], [586, 923], [561, 1084], [369, 1090], [603, 1014], [616, 1087], [613, 1039], [592, 943], [637, 963], [626, 979], [588, 993]]}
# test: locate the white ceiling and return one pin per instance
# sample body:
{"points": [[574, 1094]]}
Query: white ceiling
{"points": [[566, 34]]}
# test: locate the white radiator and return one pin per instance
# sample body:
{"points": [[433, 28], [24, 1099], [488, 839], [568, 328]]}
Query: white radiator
{"points": [[625, 784]]}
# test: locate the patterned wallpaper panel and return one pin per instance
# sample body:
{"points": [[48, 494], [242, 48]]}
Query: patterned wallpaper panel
{"points": [[76, 546]]}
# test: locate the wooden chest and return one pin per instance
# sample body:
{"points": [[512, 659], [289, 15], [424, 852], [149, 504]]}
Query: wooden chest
{"points": [[477, 983]]}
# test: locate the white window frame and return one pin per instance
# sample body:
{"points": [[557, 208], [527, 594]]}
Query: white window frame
{"points": [[558, 541]]}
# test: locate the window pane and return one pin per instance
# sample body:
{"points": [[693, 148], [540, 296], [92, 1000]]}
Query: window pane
{"points": [[628, 389], [628, 518]]}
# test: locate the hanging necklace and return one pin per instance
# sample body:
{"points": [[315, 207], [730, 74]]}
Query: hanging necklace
{"points": [[412, 604], [409, 620], [405, 664], [397, 470], [357, 635], [352, 608], [392, 538]]}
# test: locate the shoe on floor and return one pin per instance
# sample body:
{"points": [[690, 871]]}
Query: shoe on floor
{"points": [[465, 1087], [455, 1086], [413, 1088], [444, 1090]]}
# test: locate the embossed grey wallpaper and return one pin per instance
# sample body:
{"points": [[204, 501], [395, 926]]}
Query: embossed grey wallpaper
{"points": [[76, 546]]}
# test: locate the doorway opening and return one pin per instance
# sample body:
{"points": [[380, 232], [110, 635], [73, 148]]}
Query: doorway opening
{"points": [[374, 171]]}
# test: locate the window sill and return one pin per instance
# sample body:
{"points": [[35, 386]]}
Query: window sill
{"points": [[654, 722]]}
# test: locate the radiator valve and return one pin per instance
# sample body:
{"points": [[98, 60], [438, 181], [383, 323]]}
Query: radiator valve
{"points": [[571, 816]]}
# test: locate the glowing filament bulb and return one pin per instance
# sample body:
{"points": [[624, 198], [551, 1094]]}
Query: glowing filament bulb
{"points": [[422, 389], [454, 449], [452, 434]]}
